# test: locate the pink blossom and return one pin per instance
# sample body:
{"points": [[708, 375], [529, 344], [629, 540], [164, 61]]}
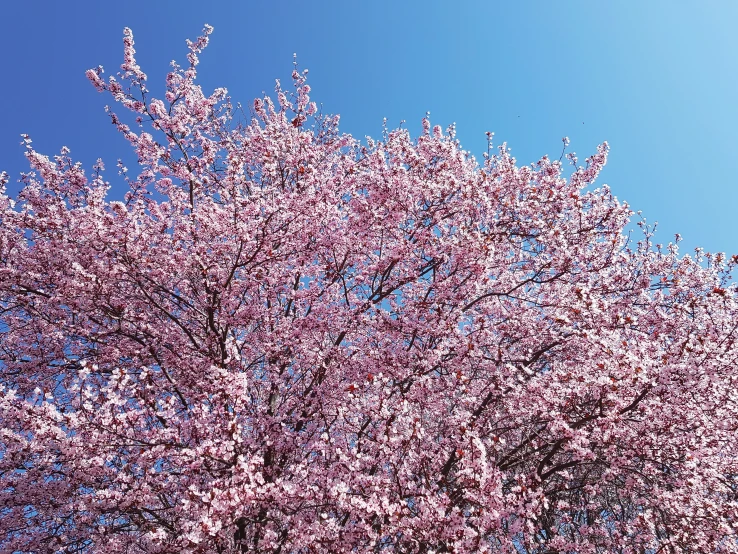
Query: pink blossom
{"points": [[285, 340]]}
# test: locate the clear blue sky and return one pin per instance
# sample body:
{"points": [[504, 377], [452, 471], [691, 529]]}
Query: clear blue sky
{"points": [[655, 78]]}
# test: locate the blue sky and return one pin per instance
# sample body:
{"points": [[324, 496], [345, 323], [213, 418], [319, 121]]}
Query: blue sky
{"points": [[657, 79]]}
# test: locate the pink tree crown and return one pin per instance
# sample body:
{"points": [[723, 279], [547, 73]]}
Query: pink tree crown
{"points": [[284, 340]]}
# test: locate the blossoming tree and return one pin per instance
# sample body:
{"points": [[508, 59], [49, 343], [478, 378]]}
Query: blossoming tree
{"points": [[286, 341]]}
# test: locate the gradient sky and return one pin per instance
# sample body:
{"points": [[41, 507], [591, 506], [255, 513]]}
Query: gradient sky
{"points": [[657, 79]]}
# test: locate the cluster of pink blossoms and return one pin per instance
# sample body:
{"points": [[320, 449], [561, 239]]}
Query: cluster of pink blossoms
{"points": [[285, 341]]}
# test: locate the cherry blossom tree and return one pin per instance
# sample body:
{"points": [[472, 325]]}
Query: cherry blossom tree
{"points": [[284, 340]]}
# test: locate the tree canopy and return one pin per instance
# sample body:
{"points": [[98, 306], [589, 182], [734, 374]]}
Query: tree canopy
{"points": [[285, 340]]}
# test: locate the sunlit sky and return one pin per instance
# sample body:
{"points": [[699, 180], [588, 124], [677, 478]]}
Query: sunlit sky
{"points": [[656, 79]]}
